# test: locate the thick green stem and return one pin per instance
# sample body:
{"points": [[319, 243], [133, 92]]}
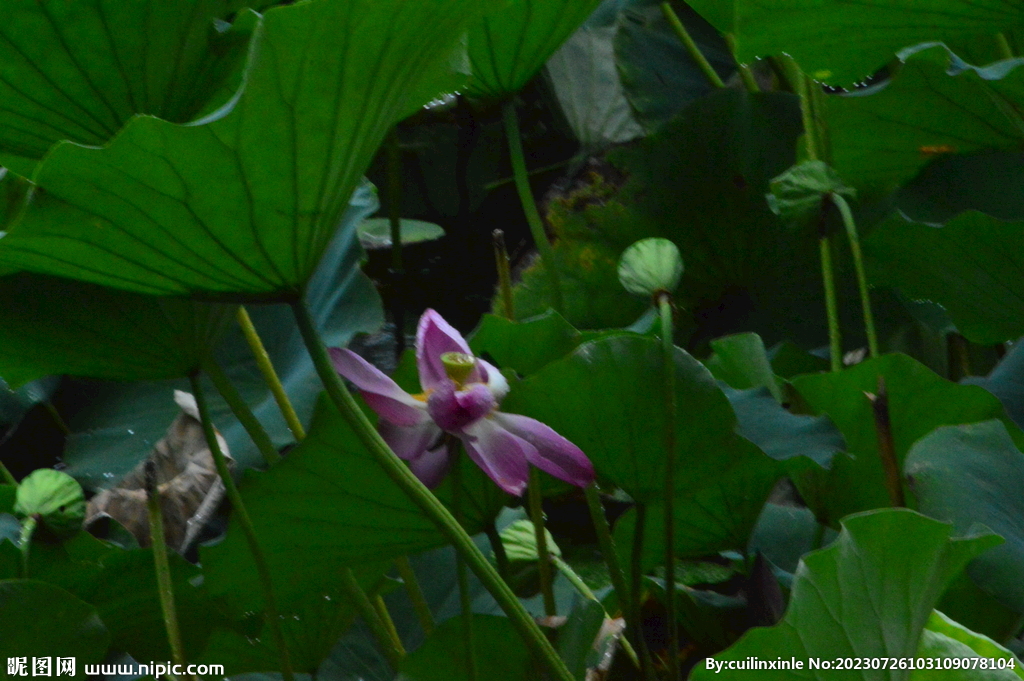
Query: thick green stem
{"points": [[504, 274], [858, 264], [28, 528], [424, 499], [691, 46], [415, 593], [241, 411], [533, 219], [389, 624], [465, 599], [746, 73], [272, 615], [364, 606], [835, 341], [535, 500], [668, 370], [165, 587], [266, 368], [801, 82]]}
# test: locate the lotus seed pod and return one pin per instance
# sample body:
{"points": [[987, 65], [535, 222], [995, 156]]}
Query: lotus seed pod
{"points": [[55, 497], [649, 266]]}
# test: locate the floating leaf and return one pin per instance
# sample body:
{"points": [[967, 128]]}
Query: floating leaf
{"points": [[376, 232], [248, 202], [868, 595]]}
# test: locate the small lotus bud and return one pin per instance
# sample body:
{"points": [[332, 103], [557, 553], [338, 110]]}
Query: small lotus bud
{"points": [[55, 498], [649, 266], [458, 365]]}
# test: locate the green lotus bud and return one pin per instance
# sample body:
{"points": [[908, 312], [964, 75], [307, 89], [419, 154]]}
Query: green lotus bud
{"points": [[55, 498], [649, 266]]}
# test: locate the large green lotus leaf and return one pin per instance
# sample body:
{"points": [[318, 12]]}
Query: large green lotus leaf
{"points": [[842, 42], [80, 70], [116, 424], [608, 398], [979, 610], [882, 139], [941, 627], [919, 402], [39, 620], [741, 360], [785, 533], [658, 74], [987, 48], [328, 504], [509, 46], [310, 626], [973, 474], [248, 202], [500, 653], [61, 326], [869, 594], [1007, 383], [524, 346], [991, 182], [718, 516], [971, 267]]}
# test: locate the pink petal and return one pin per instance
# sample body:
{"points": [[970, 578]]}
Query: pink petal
{"points": [[499, 453], [410, 442], [453, 409], [434, 337], [380, 392], [488, 374], [552, 453], [431, 466]]}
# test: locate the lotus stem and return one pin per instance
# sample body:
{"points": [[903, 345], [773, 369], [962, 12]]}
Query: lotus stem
{"points": [[389, 624], [465, 599], [533, 219], [858, 263], [241, 411], [504, 274], [500, 555], [886, 448], [835, 342], [415, 593], [668, 370], [272, 615], [691, 46], [5, 475], [266, 368], [364, 606], [608, 551], [165, 587], [535, 500], [746, 73], [424, 499], [1004, 46]]}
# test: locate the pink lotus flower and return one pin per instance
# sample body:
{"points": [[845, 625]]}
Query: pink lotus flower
{"points": [[461, 397]]}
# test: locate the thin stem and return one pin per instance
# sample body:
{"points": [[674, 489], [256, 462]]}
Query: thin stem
{"points": [[535, 500], [886, 447], [835, 342], [608, 551], [389, 624], [57, 418], [465, 599], [424, 499], [165, 587], [533, 219], [691, 46], [272, 615], [636, 575], [746, 73], [394, 194], [504, 274], [858, 264], [266, 368], [1004, 46], [370, 615], [5, 474], [415, 593], [28, 528], [806, 111], [668, 350], [241, 411], [500, 555]]}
